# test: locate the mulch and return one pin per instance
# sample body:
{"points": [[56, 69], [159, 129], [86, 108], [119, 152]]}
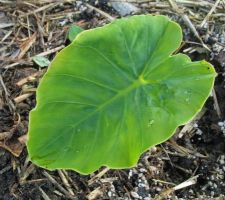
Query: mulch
{"points": [[191, 165]]}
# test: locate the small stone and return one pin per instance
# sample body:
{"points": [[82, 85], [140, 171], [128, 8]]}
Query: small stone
{"points": [[109, 193], [124, 8], [191, 191], [154, 149], [220, 123], [130, 174], [140, 175], [199, 132], [143, 170], [135, 195], [195, 125], [141, 185], [222, 162]]}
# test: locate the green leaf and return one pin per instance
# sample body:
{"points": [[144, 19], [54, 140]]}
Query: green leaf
{"points": [[113, 93], [73, 32], [41, 61]]}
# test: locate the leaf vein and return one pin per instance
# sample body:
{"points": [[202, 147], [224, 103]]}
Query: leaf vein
{"points": [[87, 80], [108, 60]]}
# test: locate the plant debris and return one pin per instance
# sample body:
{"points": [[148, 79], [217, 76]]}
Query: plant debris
{"points": [[39, 28]]}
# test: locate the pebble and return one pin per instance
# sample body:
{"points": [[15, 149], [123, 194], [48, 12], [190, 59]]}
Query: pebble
{"points": [[130, 174], [135, 195], [191, 191], [222, 126], [221, 123], [199, 132], [222, 160], [195, 125], [124, 8], [109, 193], [154, 149], [143, 170]]}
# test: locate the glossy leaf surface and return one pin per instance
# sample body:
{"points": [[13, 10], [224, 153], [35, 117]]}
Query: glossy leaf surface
{"points": [[113, 93]]}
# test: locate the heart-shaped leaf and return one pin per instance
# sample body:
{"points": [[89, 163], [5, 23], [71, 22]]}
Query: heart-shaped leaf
{"points": [[113, 93], [73, 32]]}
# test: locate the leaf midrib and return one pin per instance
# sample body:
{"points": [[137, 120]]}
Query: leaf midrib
{"points": [[136, 84]]}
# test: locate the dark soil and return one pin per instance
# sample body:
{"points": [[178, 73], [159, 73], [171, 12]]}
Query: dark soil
{"points": [[199, 152]]}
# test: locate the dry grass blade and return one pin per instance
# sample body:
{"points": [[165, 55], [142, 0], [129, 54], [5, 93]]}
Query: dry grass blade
{"points": [[216, 104], [22, 97], [26, 173], [32, 77], [104, 14], [3, 25], [99, 175], [25, 46], [66, 182], [44, 195], [48, 6], [50, 51], [187, 183], [210, 13], [53, 181], [7, 96], [95, 194]]}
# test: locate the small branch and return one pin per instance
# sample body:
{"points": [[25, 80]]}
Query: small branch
{"points": [[99, 175], [216, 104], [7, 96], [66, 182], [32, 77], [187, 183], [104, 14], [22, 97], [50, 51], [54, 182]]}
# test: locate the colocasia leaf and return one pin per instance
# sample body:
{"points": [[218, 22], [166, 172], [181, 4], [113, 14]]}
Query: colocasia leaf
{"points": [[113, 93]]}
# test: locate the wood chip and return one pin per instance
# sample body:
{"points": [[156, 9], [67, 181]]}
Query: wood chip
{"points": [[95, 194], [25, 46], [22, 97]]}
